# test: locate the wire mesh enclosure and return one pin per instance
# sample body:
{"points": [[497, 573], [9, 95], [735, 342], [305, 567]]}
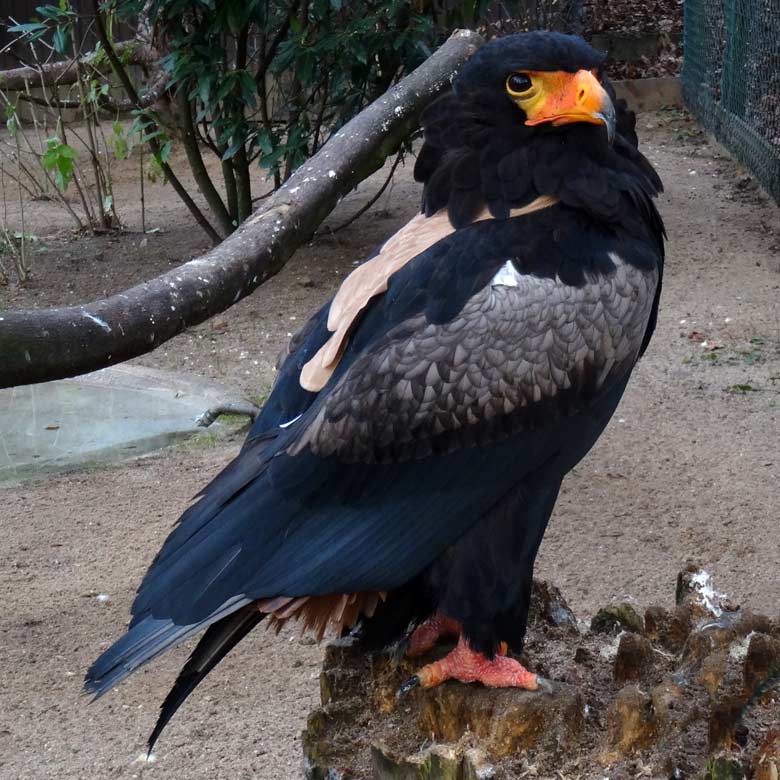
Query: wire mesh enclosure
{"points": [[731, 79]]}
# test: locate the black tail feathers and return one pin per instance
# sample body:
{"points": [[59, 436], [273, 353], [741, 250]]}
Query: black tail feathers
{"points": [[217, 642]]}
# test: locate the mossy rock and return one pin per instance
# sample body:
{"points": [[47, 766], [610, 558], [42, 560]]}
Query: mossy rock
{"points": [[617, 616], [724, 768]]}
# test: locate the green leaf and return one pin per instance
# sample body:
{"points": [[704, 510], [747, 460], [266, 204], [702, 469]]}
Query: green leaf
{"points": [[60, 40], [165, 151], [233, 148], [59, 158], [742, 389], [271, 161], [11, 121], [204, 88], [28, 27], [120, 141], [248, 87], [360, 53], [265, 142], [238, 14], [50, 12]]}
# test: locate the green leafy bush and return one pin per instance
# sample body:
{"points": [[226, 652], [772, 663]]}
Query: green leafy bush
{"points": [[265, 83], [268, 82]]}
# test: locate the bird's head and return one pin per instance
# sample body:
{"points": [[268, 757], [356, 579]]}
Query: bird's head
{"points": [[534, 115], [538, 79]]}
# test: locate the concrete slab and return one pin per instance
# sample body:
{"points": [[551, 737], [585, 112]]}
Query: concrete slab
{"points": [[110, 415]]}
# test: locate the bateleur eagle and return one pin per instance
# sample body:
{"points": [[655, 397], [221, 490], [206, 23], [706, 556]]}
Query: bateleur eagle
{"points": [[403, 470]]}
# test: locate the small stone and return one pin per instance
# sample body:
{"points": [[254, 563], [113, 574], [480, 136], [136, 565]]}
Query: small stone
{"points": [[616, 617], [631, 722], [306, 281], [634, 658]]}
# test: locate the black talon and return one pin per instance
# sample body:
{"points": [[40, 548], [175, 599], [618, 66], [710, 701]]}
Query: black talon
{"points": [[409, 685], [543, 684]]}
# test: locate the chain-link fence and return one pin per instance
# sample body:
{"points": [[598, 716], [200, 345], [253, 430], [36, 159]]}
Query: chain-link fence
{"points": [[731, 79]]}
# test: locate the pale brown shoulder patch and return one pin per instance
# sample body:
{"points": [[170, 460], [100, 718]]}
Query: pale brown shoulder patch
{"points": [[371, 279], [364, 283]]}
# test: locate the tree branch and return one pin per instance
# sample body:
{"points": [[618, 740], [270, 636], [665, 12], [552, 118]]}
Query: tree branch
{"points": [[377, 195], [40, 345], [189, 140], [61, 73]]}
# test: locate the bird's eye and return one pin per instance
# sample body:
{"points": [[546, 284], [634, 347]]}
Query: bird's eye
{"points": [[518, 83]]}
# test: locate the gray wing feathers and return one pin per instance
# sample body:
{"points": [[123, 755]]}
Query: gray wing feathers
{"points": [[517, 342]]}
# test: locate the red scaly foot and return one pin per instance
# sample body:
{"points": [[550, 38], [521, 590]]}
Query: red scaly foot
{"points": [[468, 665], [428, 633]]}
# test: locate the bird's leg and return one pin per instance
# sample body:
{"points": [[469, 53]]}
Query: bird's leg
{"points": [[427, 634], [468, 665]]}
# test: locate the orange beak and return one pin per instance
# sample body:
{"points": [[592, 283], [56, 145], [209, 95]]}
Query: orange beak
{"points": [[571, 97]]}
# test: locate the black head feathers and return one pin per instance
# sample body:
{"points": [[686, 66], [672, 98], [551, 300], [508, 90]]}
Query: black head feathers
{"points": [[540, 51], [480, 151]]}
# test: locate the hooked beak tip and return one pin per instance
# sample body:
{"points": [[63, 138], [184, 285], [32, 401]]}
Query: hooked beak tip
{"points": [[607, 116]]}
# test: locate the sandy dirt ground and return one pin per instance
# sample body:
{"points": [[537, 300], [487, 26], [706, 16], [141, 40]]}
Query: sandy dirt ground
{"points": [[687, 470]]}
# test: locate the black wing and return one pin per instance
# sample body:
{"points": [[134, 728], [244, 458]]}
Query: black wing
{"points": [[456, 383]]}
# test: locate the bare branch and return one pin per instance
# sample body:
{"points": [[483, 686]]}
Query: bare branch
{"points": [[62, 73], [363, 209], [44, 344]]}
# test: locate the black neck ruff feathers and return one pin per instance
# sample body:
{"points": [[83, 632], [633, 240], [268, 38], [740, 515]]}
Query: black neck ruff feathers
{"points": [[478, 152]]}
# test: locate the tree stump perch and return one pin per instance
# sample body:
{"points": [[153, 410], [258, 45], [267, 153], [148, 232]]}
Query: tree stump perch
{"points": [[622, 704]]}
